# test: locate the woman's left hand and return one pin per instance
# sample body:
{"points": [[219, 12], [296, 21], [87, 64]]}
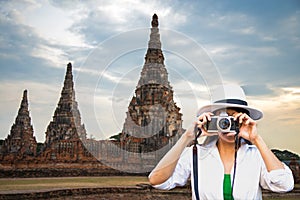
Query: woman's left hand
{"points": [[248, 129]]}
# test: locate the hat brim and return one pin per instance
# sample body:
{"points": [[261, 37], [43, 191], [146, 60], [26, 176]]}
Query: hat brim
{"points": [[254, 113]]}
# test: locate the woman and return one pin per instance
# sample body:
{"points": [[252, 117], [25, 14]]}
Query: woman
{"points": [[229, 164]]}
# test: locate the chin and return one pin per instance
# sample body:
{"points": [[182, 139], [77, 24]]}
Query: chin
{"points": [[226, 137]]}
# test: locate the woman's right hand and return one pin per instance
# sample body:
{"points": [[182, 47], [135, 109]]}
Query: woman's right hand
{"points": [[199, 124]]}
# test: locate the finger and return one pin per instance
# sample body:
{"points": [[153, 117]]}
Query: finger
{"points": [[200, 125], [237, 116], [248, 121], [199, 122], [205, 117], [243, 117], [208, 116]]}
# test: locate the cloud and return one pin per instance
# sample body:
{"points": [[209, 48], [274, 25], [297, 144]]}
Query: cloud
{"points": [[42, 99], [256, 90], [23, 49], [245, 31], [255, 46], [55, 56], [281, 116], [101, 19], [290, 29], [16, 36], [266, 63]]}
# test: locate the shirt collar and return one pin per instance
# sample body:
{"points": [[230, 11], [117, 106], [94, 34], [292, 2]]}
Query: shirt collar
{"points": [[210, 147]]}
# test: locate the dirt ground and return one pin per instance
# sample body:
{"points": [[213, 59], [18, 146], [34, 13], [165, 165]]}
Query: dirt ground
{"points": [[130, 196], [102, 188]]}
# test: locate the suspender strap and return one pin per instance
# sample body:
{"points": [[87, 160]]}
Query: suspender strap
{"points": [[195, 164]]}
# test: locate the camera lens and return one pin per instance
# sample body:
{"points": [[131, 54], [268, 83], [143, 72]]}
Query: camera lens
{"points": [[224, 123]]}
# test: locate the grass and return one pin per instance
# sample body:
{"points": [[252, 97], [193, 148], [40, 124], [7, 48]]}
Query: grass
{"points": [[17, 185], [21, 184]]}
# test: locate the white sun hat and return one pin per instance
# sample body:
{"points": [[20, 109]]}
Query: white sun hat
{"points": [[230, 96]]}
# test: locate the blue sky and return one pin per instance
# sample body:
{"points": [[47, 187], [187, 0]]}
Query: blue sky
{"points": [[252, 43]]}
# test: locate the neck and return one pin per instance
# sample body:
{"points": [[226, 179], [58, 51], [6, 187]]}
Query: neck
{"points": [[226, 151], [225, 147]]}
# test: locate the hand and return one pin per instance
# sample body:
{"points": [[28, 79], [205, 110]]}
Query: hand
{"points": [[202, 120], [199, 123], [248, 127], [248, 131]]}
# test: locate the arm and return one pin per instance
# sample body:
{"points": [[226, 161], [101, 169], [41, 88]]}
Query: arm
{"points": [[276, 176], [165, 168], [248, 131], [270, 160]]}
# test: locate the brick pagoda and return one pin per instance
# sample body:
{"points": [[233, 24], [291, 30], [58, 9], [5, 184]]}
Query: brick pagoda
{"points": [[153, 118], [20, 143], [65, 134]]}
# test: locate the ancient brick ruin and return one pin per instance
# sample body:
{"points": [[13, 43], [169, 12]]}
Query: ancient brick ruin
{"points": [[65, 133], [152, 126], [153, 117], [20, 143]]}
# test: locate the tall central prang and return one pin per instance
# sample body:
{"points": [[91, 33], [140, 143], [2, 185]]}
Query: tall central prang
{"points": [[153, 118]]}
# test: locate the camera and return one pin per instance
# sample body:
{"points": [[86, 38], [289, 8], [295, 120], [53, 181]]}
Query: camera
{"points": [[222, 123]]}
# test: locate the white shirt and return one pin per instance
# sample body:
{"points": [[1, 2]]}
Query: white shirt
{"points": [[251, 174]]}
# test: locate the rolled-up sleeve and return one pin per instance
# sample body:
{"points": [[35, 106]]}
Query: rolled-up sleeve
{"points": [[181, 173], [280, 180]]}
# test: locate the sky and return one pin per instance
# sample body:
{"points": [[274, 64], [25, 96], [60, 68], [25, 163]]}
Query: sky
{"points": [[255, 44]]}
